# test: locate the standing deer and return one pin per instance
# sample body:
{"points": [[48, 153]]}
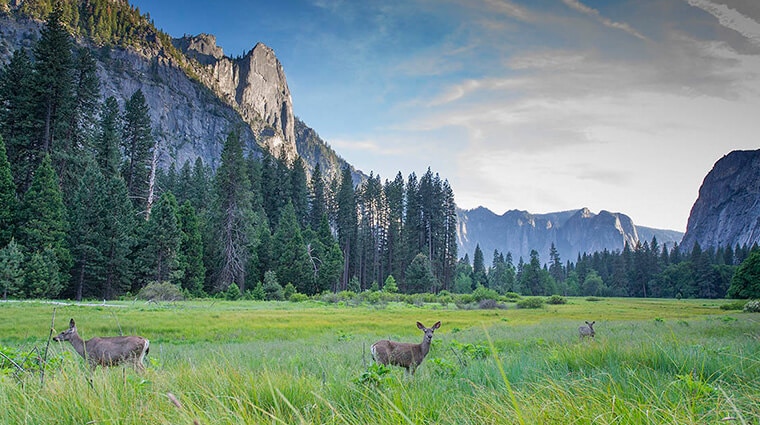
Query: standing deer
{"points": [[404, 354], [109, 351], [587, 330]]}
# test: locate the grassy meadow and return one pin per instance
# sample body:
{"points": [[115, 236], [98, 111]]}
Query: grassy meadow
{"points": [[220, 362]]}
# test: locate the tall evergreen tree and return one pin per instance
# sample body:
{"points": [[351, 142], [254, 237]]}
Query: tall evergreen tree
{"points": [[8, 201], [159, 259], [137, 143], [107, 141], [117, 237], [347, 224], [53, 83], [86, 214], [479, 276], [292, 262], [234, 218], [11, 270], [43, 223], [394, 195], [191, 250], [317, 201], [419, 276], [18, 119], [299, 192]]}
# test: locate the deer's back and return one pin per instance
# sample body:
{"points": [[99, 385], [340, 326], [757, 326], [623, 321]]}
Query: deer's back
{"points": [[113, 350], [396, 353]]}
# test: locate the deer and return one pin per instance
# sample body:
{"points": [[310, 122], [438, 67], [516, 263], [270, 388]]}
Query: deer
{"points": [[107, 351], [404, 354], [587, 330]]}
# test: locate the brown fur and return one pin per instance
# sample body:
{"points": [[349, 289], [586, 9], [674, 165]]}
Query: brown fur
{"points": [[107, 351], [404, 354]]}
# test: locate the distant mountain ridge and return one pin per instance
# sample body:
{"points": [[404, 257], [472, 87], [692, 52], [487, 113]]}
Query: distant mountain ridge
{"points": [[572, 232], [727, 211]]}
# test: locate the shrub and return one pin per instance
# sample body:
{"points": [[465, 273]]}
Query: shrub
{"points": [[531, 302], [735, 305], [288, 290], [297, 298], [161, 291], [272, 288], [512, 296], [752, 306], [482, 293], [593, 299], [233, 292], [490, 305], [556, 299]]}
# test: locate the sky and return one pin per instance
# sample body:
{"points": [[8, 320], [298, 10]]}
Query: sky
{"points": [[536, 105]]}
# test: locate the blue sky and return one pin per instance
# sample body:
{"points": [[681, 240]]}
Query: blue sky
{"points": [[537, 105]]}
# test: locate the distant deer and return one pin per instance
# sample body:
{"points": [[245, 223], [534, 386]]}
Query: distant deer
{"points": [[587, 330], [404, 354], [109, 351]]}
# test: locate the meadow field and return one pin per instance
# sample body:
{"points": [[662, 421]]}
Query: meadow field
{"points": [[653, 361]]}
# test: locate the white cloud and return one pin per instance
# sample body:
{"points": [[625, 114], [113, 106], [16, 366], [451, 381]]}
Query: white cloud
{"points": [[575, 4], [731, 18]]}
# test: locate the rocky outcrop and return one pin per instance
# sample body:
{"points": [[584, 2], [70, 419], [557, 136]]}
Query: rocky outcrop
{"points": [[255, 85], [727, 211], [572, 232]]}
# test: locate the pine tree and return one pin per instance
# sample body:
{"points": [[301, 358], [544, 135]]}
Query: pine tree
{"points": [[86, 214], [18, 119], [117, 238], [234, 218], [53, 83], [317, 201], [11, 270], [43, 275], [479, 276], [299, 192], [8, 201], [108, 138], [160, 254], [347, 224], [291, 260], [191, 251], [419, 277], [394, 195], [137, 143], [42, 222]]}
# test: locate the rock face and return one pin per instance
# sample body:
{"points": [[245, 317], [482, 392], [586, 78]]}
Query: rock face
{"points": [[727, 211], [254, 85], [572, 232], [197, 99]]}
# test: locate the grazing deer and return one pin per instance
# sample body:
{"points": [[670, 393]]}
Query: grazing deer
{"points": [[109, 351], [404, 354], [587, 330]]}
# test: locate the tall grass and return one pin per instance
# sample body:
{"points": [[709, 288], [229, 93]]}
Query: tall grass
{"points": [[231, 363]]}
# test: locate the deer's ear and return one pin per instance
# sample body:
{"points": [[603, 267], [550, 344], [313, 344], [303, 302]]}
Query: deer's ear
{"points": [[420, 325], [437, 325], [593, 322], [71, 323]]}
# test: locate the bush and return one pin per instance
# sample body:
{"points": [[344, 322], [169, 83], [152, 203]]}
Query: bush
{"points": [[531, 302], [556, 299], [297, 298], [161, 291], [232, 293], [512, 296], [288, 291], [482, 293], [593, 299], [736, 305], [490, 305], [272, 288], [752, 306]]}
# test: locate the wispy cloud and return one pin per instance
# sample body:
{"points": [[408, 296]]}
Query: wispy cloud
{"points": [[580, 7], [731, 18]]}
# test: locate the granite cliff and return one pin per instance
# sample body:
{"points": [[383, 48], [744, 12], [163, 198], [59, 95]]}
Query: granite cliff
{"points": [[727, 211]]}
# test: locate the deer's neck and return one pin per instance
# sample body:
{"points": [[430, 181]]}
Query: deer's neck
{"points": [[79, 345], [425, 346]]}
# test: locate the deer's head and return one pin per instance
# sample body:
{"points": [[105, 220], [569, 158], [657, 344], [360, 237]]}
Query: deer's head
{"points": [[428, 331], [68, 333]]}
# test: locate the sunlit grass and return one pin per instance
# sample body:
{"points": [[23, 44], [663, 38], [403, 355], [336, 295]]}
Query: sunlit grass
{"points": [[652, 361]]}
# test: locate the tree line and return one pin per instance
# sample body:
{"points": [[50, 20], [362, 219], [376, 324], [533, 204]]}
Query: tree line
{"points": [[87, 212], [646, 270]]}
